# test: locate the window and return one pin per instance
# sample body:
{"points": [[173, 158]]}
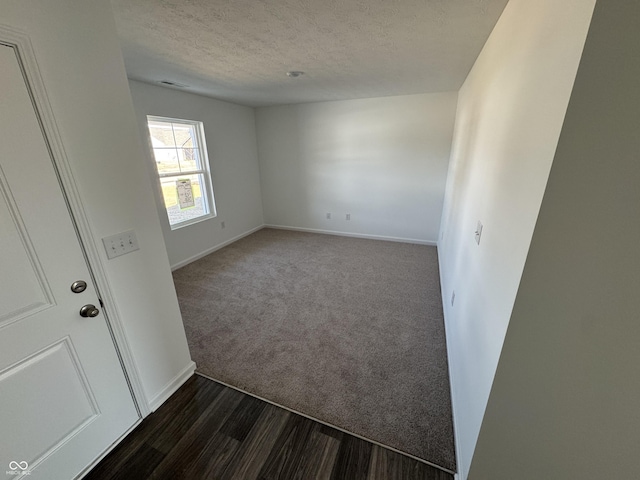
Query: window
{"points": [[181, 159]]}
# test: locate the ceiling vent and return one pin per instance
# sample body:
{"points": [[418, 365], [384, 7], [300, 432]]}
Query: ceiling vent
{"points": [[169, 83]]}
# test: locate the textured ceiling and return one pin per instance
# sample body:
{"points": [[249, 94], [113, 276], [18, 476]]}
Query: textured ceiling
{"points": [[240, 50]]}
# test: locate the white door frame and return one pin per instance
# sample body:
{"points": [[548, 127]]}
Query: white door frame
{"points": [[26, 58]]}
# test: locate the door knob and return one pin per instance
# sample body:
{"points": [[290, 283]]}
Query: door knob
{"points": [[89, 311]]}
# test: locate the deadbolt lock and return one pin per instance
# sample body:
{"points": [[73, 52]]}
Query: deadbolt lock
{"points": [[78, 286]]}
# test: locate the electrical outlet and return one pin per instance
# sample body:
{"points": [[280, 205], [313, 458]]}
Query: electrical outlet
{"points": [[328, 216], [453, 298], [120, 244], [348, 216], [478, 233]]}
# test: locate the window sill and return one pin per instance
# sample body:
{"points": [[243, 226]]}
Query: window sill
{"points": [[180, 225]]}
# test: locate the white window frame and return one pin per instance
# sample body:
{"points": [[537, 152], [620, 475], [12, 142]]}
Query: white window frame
{"points": [[205, 170]]}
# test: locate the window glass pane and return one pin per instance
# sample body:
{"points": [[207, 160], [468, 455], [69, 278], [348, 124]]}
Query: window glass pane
{"points": [[184, 197], [184, 135], [189, 160], [161, 134], [167, 160]]}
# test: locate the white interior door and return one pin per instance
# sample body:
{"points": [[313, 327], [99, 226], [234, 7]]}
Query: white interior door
{"points": [[63, 394]]}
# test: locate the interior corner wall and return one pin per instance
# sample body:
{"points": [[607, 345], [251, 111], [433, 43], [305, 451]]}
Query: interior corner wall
{"points": [[381, 160], [230, 132], [80, 60], [564, 402], [509, 117]]}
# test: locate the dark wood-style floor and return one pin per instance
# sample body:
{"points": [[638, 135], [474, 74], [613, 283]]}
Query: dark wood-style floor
{"points": [[209, 431]]}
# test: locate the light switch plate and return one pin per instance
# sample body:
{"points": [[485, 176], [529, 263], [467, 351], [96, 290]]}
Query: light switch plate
{"points": [[120, 244]]}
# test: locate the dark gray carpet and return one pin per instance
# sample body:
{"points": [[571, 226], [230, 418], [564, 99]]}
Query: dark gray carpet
{"points": [[345, 330]]}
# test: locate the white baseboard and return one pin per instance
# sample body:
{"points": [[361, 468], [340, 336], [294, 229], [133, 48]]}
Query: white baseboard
{"points": [[214, 248], [355, 235], [171, 387], [299, 229]]}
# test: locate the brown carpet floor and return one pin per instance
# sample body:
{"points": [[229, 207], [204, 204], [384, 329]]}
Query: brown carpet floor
{"points": [[348, 331]]}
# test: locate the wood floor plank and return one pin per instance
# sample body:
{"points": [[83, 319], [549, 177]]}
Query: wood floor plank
{"points": [[420, 471], [353, 459], [120, 464], [332, 432], [178, 422], [189, 446], [319, 456], [255, 449], [212, 459], [170, 420], [141, 465], [243, 418], [389, 465], [384, 465], [286, 455]]}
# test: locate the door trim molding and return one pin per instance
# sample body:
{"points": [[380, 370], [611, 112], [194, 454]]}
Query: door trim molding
{"points": [[21, 43]]}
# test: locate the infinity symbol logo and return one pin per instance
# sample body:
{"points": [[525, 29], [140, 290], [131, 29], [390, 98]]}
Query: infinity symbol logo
{"points": [[13, 465]]}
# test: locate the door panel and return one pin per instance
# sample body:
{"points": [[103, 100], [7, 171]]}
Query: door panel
{"points": [[56, 371], [28, 292], [64, 398]]}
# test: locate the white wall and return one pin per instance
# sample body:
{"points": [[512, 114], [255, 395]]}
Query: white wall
{"points": [[564, 403], [81, 64], [510, 113], [383, 160], [230, 133]]}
